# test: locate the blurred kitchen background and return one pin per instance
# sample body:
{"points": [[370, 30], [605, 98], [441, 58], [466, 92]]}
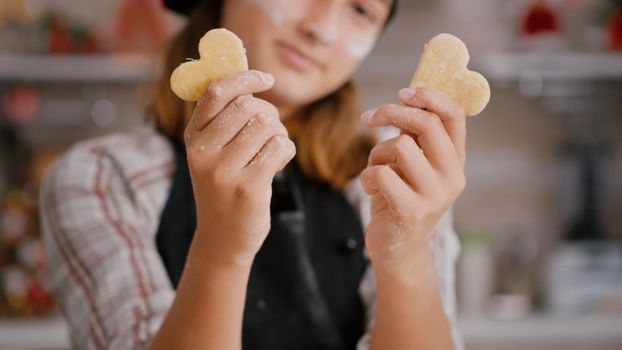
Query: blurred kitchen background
{"points": [[540, 220]]}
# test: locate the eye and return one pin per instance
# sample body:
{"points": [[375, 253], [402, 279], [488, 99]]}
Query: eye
{"points": [[363, 12]]}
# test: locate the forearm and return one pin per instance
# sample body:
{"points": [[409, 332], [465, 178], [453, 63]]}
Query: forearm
{"points": [[409, 311], [209, 304]]}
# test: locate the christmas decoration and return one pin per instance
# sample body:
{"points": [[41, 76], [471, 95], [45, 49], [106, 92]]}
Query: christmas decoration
{"points": [[540, 19]]}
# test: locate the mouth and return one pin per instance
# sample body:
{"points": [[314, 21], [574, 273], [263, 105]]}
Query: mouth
{"points": [[296, 58]]}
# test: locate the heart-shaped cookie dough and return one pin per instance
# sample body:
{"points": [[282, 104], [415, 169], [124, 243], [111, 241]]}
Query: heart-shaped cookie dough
{"points": [[443, 66], [221, 53]]}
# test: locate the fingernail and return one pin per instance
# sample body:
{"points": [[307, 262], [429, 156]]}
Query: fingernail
{"points": [[407, 93], [266, 78], [368, 115]]}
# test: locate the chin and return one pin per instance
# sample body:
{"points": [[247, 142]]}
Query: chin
{"points": [[285, 95], [293, 89]]}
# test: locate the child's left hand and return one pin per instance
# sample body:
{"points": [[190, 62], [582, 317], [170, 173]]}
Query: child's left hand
{"points": [[415, 177]]}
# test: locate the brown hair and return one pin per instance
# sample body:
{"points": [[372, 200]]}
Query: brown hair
{"points": [[330, 145]]}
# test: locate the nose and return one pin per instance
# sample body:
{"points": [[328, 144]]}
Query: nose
{"points": [[321, 21]]}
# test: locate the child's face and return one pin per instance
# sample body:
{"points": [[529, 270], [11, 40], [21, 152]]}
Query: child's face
{"points": [[312, 47]]}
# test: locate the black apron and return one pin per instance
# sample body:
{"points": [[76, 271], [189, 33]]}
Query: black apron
{"points": [[303, 287]]}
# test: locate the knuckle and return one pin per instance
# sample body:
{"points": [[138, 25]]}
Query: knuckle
{"points": [[438, 200], [433, 123], [395, 108], [242, 103], [285, 144], [257, 75], [263, 120], [267, 108], [196, 158], [277, 142], [290, 146], [280, 143], [213, 93], [382, 148], [187, 136], [461, 183], [243, 192], [384, 110], [403, 145], [403, 140], [193, 156], [281, 130], [264, 108]]}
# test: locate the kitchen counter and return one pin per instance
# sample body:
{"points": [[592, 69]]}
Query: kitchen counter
{"points": [[543, 332]]}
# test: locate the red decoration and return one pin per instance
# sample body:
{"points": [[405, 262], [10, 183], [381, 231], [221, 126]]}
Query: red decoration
{"points": [[614, 30], [60, 37], [540, 18], [21, 257], [91, 44], [39, 298], [21, 103]]}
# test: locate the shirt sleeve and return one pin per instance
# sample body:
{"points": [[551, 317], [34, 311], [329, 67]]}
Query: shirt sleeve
{"points": [[445, 248], [103, 267]]}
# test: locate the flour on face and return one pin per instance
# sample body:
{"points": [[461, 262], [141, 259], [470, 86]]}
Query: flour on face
{"points": [[359, 48], [275, 9]]}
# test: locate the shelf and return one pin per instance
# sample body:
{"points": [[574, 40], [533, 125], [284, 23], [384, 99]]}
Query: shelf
{"points": [[29, 334], [77, 68], [500, 67], [544, 331]]}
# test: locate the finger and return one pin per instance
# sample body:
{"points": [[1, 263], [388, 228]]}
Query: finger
{"points": [[426, 127], [451, 113], [228, 123], [222, 91], [378, 204], [250, 140], [381, 179], [409, 158], [397, 170], [273, 157]]}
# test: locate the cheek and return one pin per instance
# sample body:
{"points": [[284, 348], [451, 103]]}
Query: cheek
{"points": [[359, 48], [359, 45], [352, 49]]}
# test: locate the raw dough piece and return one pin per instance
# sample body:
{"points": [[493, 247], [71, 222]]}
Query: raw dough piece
{"points": [[443, 66], [221, 53]]}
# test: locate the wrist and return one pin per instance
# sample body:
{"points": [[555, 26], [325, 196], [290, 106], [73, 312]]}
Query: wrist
{"points": [[412, 268], [206, 252]]}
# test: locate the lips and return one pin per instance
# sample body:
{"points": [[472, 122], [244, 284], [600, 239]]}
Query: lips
{"points": [[296, 58]]}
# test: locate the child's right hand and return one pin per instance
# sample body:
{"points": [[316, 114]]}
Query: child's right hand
{"points": [[235, 145]]}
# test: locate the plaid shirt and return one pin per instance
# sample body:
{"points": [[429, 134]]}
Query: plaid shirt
{"points": [[100, 209]]}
